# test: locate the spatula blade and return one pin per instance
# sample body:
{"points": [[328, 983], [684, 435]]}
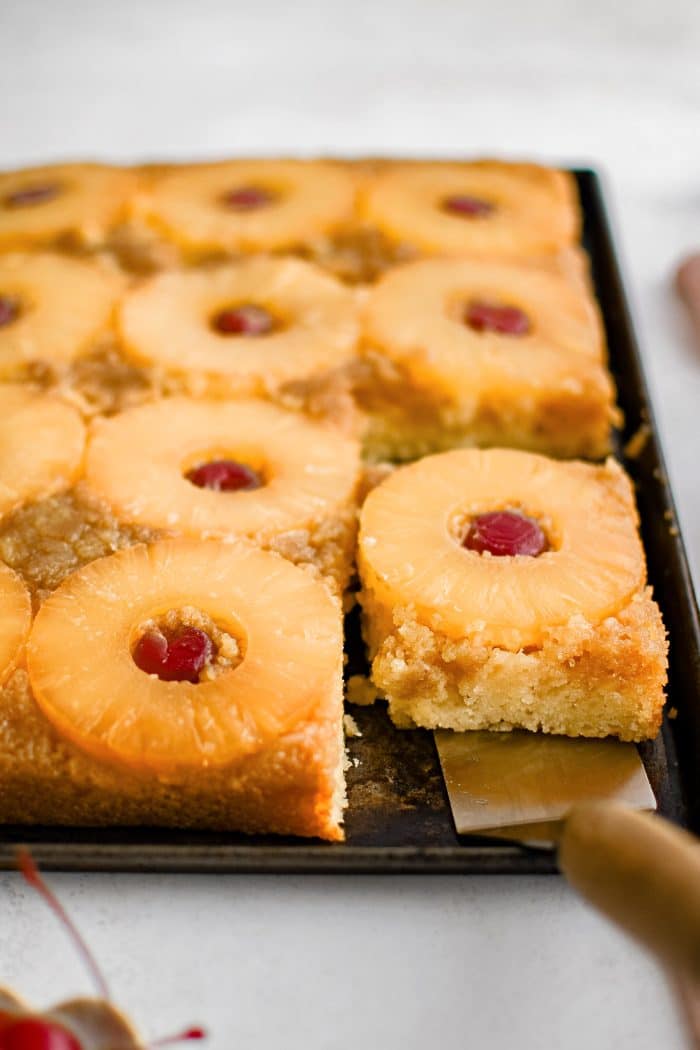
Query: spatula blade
{"points": [[503, 782]]}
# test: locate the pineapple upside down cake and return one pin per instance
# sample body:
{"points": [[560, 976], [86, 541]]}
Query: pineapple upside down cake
{"points": [[502, 589], [192, 358]]}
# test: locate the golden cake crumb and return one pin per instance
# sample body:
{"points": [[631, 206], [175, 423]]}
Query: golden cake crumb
{"points": [[636, 444], [351, 727], [360, 690]]}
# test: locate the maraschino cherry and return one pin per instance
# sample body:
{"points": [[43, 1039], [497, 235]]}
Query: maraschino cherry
{"points": [[26, 1031], [466, 206], [39, 193], [31, 1033], [247, 198], [225, 475], [504, 532], [180, 658], [483, 316], [248, 319], [9, 310]]}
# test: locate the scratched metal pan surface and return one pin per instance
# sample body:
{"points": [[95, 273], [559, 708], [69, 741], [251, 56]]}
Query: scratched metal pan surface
{"points": [[398, 819]]}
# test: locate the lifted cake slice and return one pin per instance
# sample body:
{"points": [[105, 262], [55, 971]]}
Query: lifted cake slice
{"points": [[502, 589]]}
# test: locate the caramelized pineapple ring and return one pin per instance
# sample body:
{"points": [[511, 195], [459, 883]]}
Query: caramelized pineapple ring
{"points": [[412, 555], [42, 441], [139, 463], [87, 684], [79, 201], [208, 327], [55, 308], [485, 206], [250, 205], [15, 619], [477, 318]]}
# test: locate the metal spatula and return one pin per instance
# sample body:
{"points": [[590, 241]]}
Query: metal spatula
{"points": [[520, 785]]}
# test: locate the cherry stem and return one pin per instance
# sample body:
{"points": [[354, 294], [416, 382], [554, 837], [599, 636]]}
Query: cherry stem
{"points": [[30, 872], [189, 1033]]}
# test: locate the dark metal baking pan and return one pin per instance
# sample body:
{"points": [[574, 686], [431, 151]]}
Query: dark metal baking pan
{"points": [[398, 819]]}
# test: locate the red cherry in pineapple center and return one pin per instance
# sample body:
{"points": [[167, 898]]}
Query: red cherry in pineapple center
{"points": [[31, 1033], [9, 310], [225, 475], [503, 532], [467, 207], [179, 657], [247, 319], [490, 317], [38, 193], [247, 198]]}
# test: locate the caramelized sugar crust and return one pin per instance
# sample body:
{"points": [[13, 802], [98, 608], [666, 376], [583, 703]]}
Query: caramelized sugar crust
{"points": [[48, 539]]}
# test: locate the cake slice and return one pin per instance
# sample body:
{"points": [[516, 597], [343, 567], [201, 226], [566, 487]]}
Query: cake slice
{"points": [[190, 683], [502, 589], [484, 352], [260, 326], [221, 469], [72, 206], [248, 205], [15, 620], [486, 207], [53, 310], [42, 442]]}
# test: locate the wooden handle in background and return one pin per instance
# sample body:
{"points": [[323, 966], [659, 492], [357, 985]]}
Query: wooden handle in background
{"points": [[688, 284], [643, 873]]}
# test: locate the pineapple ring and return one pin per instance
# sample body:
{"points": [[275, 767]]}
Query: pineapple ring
{"points": [[432, 339], [15, 619], [535, 209], [308, 199], [64, 304], [310, 470], [167, 322], [42, 441], [85, 681], [90, 200], [411, 554]]}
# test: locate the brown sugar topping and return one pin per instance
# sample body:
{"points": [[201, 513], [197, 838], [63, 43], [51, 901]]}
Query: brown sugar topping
{"points": [[48, 539]]}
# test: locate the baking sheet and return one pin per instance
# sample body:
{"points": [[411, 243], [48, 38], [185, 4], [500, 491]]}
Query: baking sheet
{"points": [[398, 819]]}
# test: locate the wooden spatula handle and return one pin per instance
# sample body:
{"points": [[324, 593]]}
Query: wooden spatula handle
{"points": [[688, 284], [643, 873]]}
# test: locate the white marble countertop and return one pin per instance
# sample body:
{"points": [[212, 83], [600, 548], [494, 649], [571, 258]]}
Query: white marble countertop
{"points": [[326, 963]]}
